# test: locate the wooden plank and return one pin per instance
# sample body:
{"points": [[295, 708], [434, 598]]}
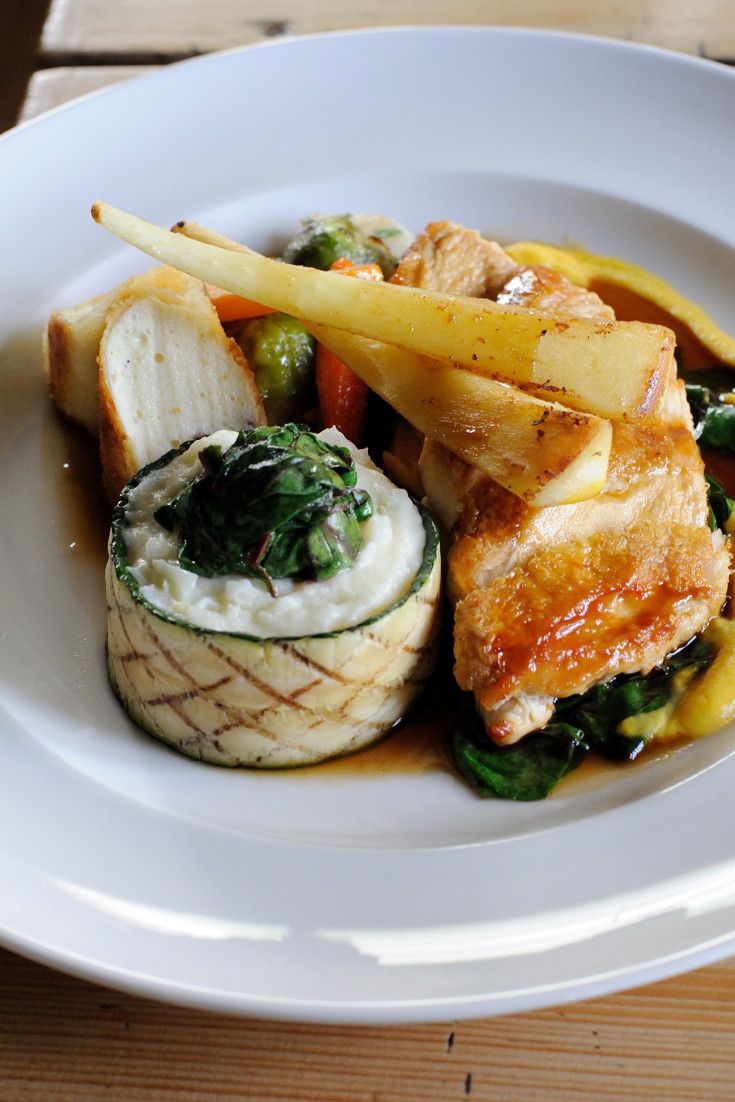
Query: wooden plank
{"points": [[156, 29], [71, 1041], [51, 87]]}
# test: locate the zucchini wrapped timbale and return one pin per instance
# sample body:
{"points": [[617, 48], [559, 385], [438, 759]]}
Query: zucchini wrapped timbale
{"points": [[273, 598]]}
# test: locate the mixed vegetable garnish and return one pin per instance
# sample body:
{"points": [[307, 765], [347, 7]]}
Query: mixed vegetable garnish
{"points": [[296, 376]]}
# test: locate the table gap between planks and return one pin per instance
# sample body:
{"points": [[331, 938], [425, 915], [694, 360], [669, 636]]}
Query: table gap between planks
{"points": [[65, 1039]]}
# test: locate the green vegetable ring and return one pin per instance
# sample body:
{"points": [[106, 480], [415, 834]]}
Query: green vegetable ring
{"points": [[236, 699]]}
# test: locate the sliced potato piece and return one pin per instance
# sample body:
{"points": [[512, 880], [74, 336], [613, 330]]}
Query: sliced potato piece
{"points": [[540, 451], [71, 346], [620, 369], [167, 373]]}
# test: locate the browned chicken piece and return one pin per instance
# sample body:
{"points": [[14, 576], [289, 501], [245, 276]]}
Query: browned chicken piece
{"points": [[549, 602], [449, 258], [549, 292]]}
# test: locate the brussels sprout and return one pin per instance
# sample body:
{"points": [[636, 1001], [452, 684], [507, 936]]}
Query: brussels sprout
{"points": [[280, 353], [329, 237]]}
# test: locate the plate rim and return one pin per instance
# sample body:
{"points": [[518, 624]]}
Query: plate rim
{"points": [[414, 1010]]}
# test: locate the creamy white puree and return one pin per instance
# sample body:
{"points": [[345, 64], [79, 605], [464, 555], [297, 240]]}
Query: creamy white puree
{"points": [[386, 565]]}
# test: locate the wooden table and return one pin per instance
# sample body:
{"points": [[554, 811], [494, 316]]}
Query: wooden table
{"points": [[66, 1040]]}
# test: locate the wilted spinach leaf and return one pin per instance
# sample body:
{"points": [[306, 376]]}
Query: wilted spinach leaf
{"points": [[601, 710], [279, 503], [720, 505], [714, 420], [526, 771], [531, 768]]}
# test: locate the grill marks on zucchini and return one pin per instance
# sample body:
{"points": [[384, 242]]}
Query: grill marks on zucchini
{"points": [[234, 699], [238, 717], [195, 690]]}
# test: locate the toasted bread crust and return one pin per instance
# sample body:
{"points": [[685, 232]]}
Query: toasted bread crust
{"points": [[184, 395], [71, 343]]}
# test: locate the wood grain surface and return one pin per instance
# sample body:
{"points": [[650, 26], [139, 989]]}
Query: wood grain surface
{"points": [[62, 1040], [65, 1040], [49, 88], [154, 29]]}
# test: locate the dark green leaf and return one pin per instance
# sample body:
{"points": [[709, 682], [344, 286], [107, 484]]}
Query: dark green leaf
{"points": [[698, 653], [600, 711], [279, 503], [699, 398], [528, 770], [718, 428], [720, 505], [714, 419]]}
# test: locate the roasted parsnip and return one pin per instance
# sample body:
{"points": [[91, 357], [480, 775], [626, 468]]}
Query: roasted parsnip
{"points": [[569, 358], [538, 450]]}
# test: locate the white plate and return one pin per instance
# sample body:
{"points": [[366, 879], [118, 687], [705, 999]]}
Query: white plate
{"points": [[333, 896]]}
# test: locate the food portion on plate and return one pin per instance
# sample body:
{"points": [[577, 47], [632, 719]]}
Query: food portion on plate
{"points": [[274, 596]]}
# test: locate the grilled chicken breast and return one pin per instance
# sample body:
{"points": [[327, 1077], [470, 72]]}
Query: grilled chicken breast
{"points": [[457, 261], [549, 602]]}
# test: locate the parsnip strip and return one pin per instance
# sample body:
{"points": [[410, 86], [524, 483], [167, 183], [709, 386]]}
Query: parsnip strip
{"points": [[570, 466], [538, 450], [520, 346]]}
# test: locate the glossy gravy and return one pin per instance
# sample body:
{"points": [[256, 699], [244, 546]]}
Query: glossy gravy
{"points": [[78, 475]]}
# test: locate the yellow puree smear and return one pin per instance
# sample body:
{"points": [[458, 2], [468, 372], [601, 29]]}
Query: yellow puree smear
{"points": [[636, 295], [704, 703], [700, 704]]}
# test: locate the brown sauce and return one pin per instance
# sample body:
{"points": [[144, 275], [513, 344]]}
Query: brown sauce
{"points": [[421, 743], [78, 475], [629, 306], [596, 772]]}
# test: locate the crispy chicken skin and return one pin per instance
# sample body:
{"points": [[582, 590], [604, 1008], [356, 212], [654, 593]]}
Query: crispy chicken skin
{"points": [[549, 602]]}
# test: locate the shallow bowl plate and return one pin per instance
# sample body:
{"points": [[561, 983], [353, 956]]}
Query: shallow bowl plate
{"points": [[393, 894]]}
